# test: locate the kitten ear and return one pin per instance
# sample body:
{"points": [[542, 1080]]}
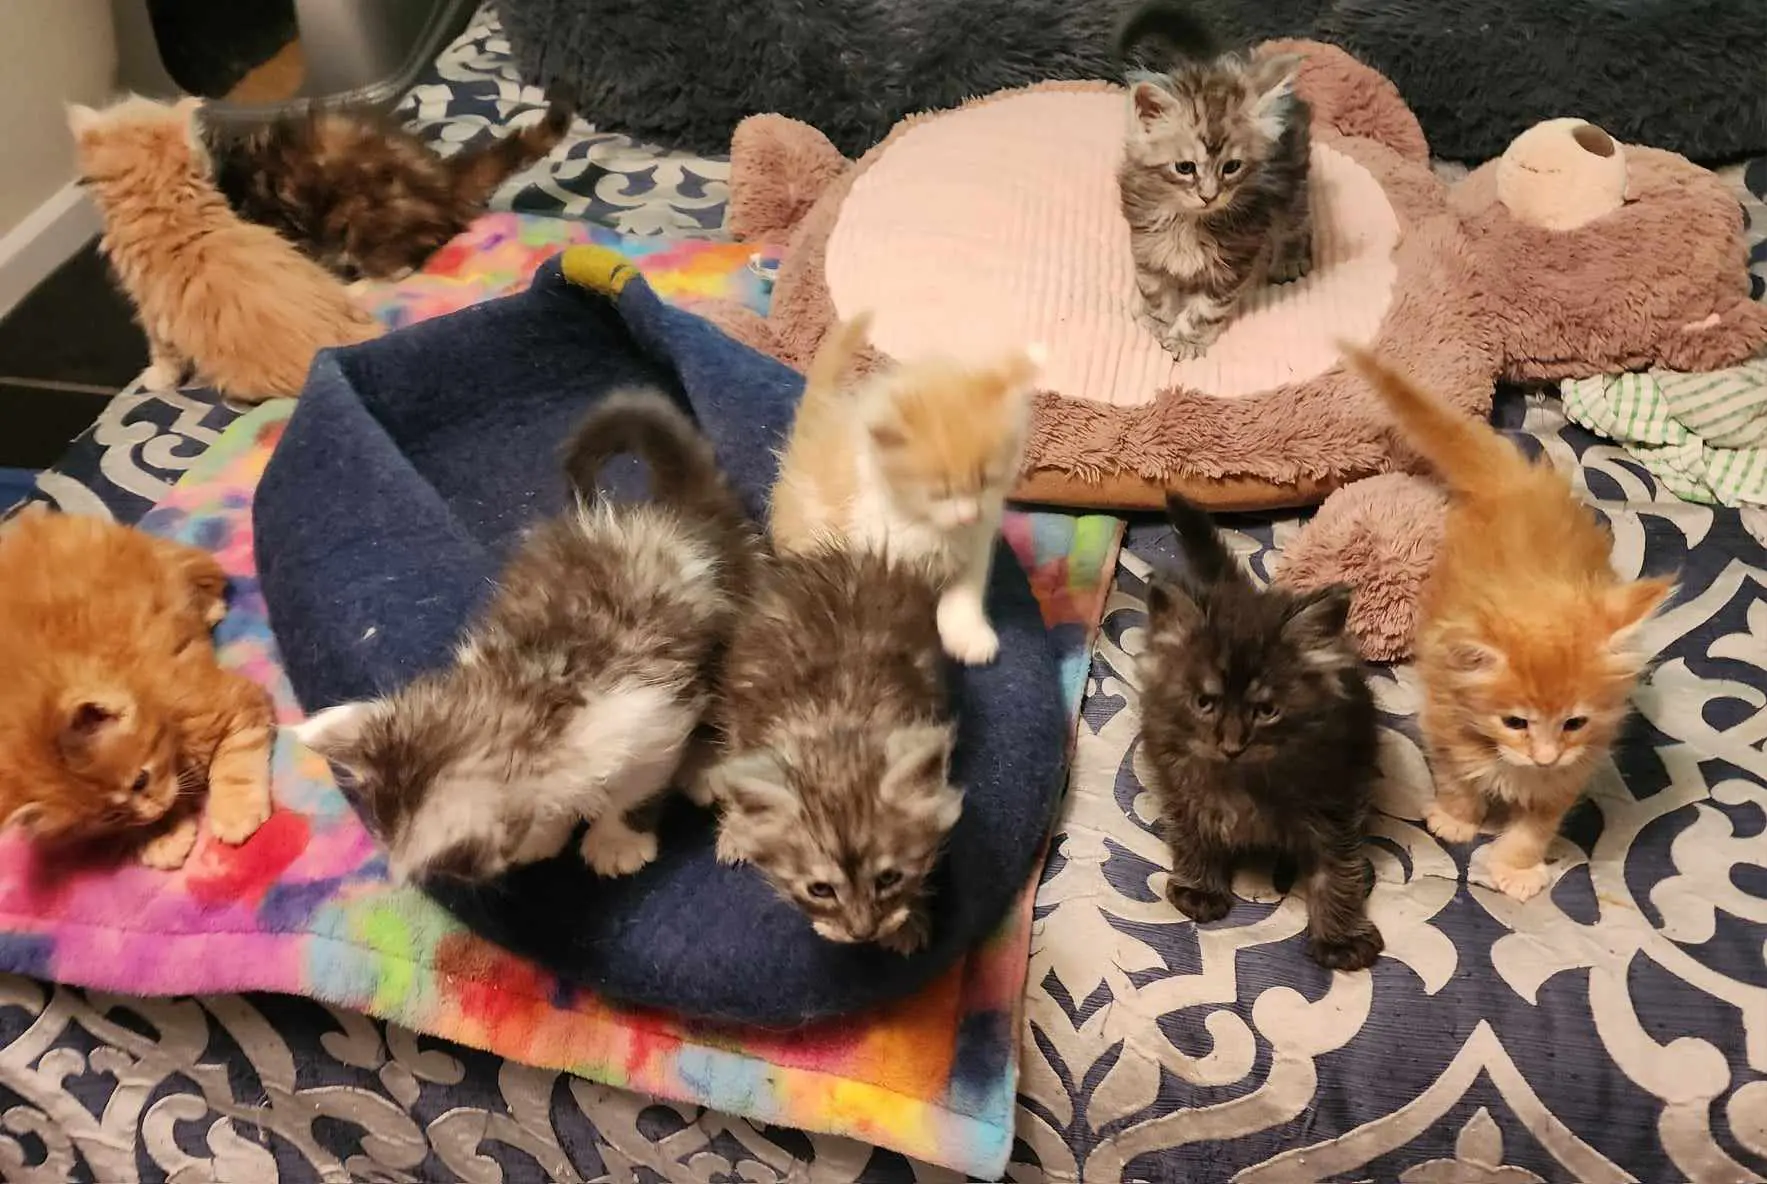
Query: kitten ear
{"points": [[914, 757], [1273, 82], [1468, 655], [755, 783], [887, 435], [1631, 605], [1172, 606], [23, 817], [86, 720], [82, 119], [1149, 102], [336, 731], [1319, 615]]}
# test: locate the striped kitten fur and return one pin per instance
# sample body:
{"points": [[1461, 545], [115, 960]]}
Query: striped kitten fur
{"points": [[574, 696], [1214, 177], [359, 194], [837, 741]]}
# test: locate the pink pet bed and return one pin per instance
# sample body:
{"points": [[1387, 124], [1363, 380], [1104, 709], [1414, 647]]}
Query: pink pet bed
{"points": [[997, 223]]}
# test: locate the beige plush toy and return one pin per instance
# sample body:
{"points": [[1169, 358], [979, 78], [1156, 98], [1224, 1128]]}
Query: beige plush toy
{"points": [[1562, 174]]}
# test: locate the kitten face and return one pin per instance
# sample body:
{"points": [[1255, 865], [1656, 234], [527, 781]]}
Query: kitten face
{"points": [[1206, 129], [1546, 698], [947, 439], [844, 823], [1236, 673], [116, 770]]}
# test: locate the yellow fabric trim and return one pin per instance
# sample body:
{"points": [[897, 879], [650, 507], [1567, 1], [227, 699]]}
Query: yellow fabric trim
{"points": [[600, 269]]}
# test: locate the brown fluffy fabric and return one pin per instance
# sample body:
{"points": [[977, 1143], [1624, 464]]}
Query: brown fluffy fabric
{"points": [[1479, 295], [1380, 537]]}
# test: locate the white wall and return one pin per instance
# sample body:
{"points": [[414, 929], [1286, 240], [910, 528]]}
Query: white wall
{"points": [[51, 52]]}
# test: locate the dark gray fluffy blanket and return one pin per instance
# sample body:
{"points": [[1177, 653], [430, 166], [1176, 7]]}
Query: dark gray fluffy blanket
{"points": [[1688, 75]]}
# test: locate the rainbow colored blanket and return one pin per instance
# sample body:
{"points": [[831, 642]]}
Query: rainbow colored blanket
{"points": [[304, 907]]}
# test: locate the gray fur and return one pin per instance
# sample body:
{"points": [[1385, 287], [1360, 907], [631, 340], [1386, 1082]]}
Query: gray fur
{"points": [[1259, 731], [1213, 180], [836, 742]]}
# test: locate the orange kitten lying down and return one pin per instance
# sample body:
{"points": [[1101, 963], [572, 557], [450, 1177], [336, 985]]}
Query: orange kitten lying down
{"points": [[1527, 646], [918, 458], [113, 710], [232, 300]]}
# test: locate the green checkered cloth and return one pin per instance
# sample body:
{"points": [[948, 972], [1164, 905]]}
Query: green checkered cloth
{"points": [[1702, 436]]}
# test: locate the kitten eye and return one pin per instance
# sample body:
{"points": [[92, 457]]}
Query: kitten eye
{"points": [[821, 890], [1183, 168], [1230, 167], [1205, 703], [1515, 723], [1575, 723], [888, 879], [140, 784], [1265, 711]]}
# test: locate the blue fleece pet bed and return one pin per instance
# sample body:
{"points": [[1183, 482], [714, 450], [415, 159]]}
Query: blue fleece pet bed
{"points": [[410, 466]]}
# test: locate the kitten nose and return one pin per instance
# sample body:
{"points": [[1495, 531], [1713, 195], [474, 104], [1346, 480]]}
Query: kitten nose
{"points": [[1545, 754], [1231, 747]]}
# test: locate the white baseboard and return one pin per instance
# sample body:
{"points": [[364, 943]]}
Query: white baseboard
{"points": [[47, 238]]}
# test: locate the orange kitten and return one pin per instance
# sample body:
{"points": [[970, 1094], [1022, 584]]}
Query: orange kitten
{"points": [[113, 711], [232, 300], [918, 458], [1527, 642]]}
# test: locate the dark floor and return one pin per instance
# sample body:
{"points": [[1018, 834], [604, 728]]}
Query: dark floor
{"points": [[64, 351]]}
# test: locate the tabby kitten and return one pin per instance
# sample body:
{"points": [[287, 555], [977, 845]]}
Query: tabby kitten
{"points": [[114, 714], [575, 694], [1528, 646], [1260, 733], [834, 778], [917, 458], [1213, 179], [361, 195]]}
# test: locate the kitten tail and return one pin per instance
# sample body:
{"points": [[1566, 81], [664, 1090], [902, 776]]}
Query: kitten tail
{"points": [[1210, 560], [477, 172], [1171, 31], [1471, 457]]}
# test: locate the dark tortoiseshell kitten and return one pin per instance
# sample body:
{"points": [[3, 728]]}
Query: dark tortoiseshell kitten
{"points": [[360, 195], [1213, 179], [1260, 733], [836, 742]]}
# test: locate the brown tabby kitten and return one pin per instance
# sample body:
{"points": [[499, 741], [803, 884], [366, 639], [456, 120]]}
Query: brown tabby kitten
{"points": [[361, 195], [1260, 733], [837, 742], [1213, 179]]}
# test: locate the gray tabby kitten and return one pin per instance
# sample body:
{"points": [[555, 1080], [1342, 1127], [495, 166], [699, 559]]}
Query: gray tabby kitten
{"points": [[574, 695], [834, 777], [1213, 180]]}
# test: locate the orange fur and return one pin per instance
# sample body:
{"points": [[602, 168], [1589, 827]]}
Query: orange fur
{"points": [[1524, 620], [111, 673], [231, 299]]}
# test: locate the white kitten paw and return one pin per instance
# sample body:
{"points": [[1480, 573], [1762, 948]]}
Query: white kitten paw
{"points": [[966, 634], [611, 848], [168, 851], [162, 377], [1519, 883], [1184, 346], [1448, 828], [236, 817]]}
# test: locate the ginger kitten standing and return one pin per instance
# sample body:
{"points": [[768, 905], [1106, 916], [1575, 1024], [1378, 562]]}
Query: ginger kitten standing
{"points": [[114, 713], [915, 460], [1528, 641]]}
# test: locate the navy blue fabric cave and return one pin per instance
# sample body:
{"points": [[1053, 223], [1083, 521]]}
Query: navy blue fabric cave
{"points": [[411, 465]]}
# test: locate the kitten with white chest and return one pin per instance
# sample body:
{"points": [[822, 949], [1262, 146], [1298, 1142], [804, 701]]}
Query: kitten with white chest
{"points": [[1214, 177], [833, 773], [575, 694], [917, 458]]}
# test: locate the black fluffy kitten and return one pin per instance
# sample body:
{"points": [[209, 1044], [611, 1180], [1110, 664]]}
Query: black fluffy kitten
{"points": [[1260, 732]]}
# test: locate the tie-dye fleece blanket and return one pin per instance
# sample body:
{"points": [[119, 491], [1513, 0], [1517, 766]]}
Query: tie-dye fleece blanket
{"points": [[304, 907]]}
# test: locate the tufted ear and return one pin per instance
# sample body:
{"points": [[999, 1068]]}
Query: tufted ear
{"points": [[87, 718], [82, 119], [755, 783], [1149, 103], [915, 757], [336, 732]]}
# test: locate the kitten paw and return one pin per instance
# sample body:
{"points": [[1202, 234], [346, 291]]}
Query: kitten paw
{"points": [[966, 636], [1184, 347], [1155, 327], [168, 851], [1519, 883], [162, 377], [907, 937], [1448, 828], [615, 849], [1200, 905], [1291, 268], [1354, 951], [235, 818]]}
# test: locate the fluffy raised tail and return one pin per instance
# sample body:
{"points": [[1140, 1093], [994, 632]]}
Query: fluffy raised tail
{"points": [[1160, 31], [684, 472], [1469, 455], [1210, 560], [478, 171]]}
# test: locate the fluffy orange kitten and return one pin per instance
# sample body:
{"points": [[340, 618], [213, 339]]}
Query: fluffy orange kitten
{"points": [[232, 300], [918, 458], [113, 710], [1526, 645]]}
